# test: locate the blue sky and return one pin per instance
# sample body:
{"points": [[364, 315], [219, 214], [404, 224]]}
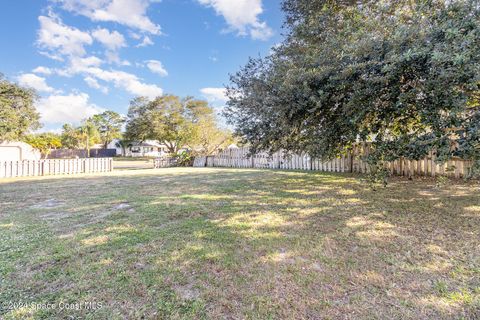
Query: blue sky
{"points": [[84, 56]]}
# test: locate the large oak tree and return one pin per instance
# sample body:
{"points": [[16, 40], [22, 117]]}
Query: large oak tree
{"points": [[402, 75], [162, 119], [176, 123]]}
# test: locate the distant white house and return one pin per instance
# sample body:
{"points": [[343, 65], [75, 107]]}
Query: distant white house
{"points": [[18, 151], [232, 146], [148, 148]]}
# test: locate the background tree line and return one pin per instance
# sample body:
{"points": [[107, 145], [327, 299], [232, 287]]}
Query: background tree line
{"points": [[177, 123]]}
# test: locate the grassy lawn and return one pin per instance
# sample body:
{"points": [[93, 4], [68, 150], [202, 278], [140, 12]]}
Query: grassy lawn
{"points": [[238, 244], [131, 163], [147, 159]]}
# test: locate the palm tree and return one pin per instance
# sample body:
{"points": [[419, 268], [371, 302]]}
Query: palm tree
{"points": [[88, 132]]}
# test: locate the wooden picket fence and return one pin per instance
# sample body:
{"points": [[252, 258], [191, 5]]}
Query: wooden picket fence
{"points": [[351, 162], [49, 167], [164, 162]]}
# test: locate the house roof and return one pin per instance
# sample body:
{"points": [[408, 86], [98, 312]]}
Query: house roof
{"points": [[147, 143], [144, 144]]}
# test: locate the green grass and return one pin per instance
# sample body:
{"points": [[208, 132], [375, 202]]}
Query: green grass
{"points": [[238, 244], [120, 158]]}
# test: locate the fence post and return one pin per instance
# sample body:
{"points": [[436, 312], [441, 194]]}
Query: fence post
{"points": [[350, 156]]}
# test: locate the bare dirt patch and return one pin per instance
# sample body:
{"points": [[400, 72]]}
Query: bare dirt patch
{"points": [[48, 204], [187, 292], [122, 206]]}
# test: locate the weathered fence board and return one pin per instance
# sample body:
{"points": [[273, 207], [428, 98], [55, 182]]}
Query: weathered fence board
{"points": [[351, 162], [48, 167], [165, 162]]}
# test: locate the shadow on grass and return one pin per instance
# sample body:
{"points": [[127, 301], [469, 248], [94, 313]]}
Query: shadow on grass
{"points": [[248, 243]]}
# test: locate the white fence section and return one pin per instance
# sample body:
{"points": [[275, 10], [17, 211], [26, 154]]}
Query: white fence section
{"points": [[48, 167], [164, 162], [350, 162]]}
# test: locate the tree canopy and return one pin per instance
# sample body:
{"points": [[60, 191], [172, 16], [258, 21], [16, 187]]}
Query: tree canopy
{"points": [[109, 126], [88, 134], [206, 136], [83, 136], [403, 75], [175, 122], [18, 115], [44, 142], [162, 119], [70, 137]]}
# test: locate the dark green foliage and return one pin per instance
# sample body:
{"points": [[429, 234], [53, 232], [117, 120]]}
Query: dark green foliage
{"points": [[474, 172], [403, 75], [70, 137], [83, 136], [18, 115], [163, 119]]}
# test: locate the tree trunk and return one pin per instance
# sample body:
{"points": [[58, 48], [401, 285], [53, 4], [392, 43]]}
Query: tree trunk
{"points": [[171, 148], [87, 147]]}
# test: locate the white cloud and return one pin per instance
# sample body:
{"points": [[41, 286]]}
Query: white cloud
{"points": [[134, 35], [43, 70], [33, 81], [111, 40], [89, 67], [55, 131], [156, 66], [93, 83], [215, 94], [131, 13], [65, 41], [61, 39], [242, 16], [130, 82], [114, 57], [79, 65], [62, 42], [52, 56], [146, 42], [90, 61], [72, 108]]}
